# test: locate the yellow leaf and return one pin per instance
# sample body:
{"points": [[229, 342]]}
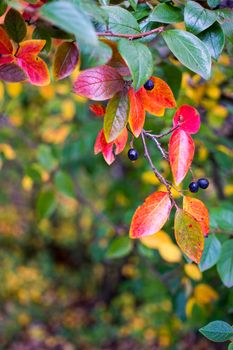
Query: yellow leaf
{"points": [[202, 153], [170, 252], [193, 272], [205, 294], [154, 241], [14, 89], [228, 190], [27, 183], [213, 92], [8, 151], [225, 150], [68, 109], [189, 306]]}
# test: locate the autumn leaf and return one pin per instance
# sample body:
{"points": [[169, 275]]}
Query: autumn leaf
{"points": [[107, 149], [136, 112], [35, 68], [99, 83], [188, 118], [117, 61], [189, 235], [97, 109], [65, 60], [150, 217], [181, 151], [12, 73], [6, 47], [160, 97], [116, 116], [198, 210]]}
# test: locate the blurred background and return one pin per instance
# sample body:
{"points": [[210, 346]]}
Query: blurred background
{"points": [[70, 276]]}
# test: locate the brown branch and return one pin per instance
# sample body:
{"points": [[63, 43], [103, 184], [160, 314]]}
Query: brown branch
{"points": [[154, 138], [159, 176], [131, 36]]}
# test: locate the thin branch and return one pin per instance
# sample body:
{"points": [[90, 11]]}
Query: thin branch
{"points": [[155, 170], [131, 36], [154, 138]]}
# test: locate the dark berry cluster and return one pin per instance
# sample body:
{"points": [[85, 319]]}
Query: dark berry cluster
{"points": [[133, 154], [202, 183], [149, 85]]}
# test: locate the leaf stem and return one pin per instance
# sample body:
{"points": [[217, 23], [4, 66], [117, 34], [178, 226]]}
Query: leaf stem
{"points": [[131, 36]]}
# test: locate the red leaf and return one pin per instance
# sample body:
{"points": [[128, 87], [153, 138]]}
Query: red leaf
{"points": [[12, 73], [97, 109], [5, 43], [107, 149], [198, 210], [6, 59], [150, 217], [136, 112], [99, 83], [65, 60], [181, 151], [35, 68], [188, 118]]}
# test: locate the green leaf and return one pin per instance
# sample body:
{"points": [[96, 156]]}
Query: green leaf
{"points": [[139, 60], [64, 184], [225, 263], [92, 10], [189, 50], [211, 253], [217, 331], [46, 158], [3, 7], [213, 3], [226, 21], [121, 21], [133, 3], [214, 39], [15, 25], [98, 56], [165, 13], [230, 347], [221, 219], [119, 247], [46, 204], [197, 18], [67, 16], [42, 33], [116, 116]]}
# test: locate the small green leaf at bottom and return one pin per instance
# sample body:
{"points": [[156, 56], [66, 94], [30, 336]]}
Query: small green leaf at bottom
{"points": [[217, 331], [119, 247]]}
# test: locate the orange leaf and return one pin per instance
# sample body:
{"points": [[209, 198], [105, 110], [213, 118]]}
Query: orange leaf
{"points": [[149, 104], [35, 68], [136, 112], [189, 235], [198, 210], [150, 217], [181, 151], [121, 141], [6, 47], [97, 109]]}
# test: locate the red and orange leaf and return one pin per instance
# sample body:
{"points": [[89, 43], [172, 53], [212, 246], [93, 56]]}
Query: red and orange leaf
{"points": [[97, 109], [181, 151], [99, 83], [198, 210], [5, 43], [136, 112], [6, 59], [150, 105], [12, 73], [101, 145], [189, 235], [121, 141], [150, 217], [65, 60], [188, 118], [36, 70], [30, 48]]}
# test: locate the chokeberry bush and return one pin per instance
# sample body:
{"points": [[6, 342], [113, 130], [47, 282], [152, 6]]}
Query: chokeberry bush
{"points": [[98, 257]]}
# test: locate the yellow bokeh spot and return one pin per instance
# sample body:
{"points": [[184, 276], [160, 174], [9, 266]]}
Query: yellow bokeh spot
{"points": [[27, 183], [154, 241], [193, 272], [80, 99], [224, 59], [68, 109], [205, 294], [213, 92], [8, 151], [56, 135], [24, 319], [202, 153], [189, 306], [149, 177], [16, 119], [47, 92], [228, 190], [220, 111], [225, 150], [170, 252], [1, 91], [14, 89]]}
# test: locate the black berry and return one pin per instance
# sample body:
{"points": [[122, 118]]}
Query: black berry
{"points": [[132, 154], [193, 187], [149, 85], [203, 183]]}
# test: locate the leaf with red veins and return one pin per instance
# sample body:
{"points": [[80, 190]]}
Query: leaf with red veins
{"points": [[99, 83], [35, 68], [6, 47], [198, 210], [188, 118], [65, 60], [98, 109], [107, 149], [12, 73], [6, 59], [136, 112], [151, 216], [181, 151], [117, 61]]}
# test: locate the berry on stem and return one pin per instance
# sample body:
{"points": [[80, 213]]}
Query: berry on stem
{"points": [[132, 154], [193, 187], [149, 84], [203, 183]]}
